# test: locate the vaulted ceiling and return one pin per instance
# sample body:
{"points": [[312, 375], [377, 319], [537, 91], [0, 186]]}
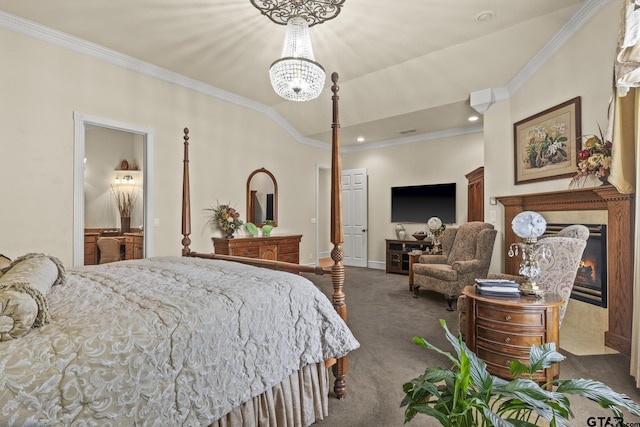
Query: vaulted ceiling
{"points": [[407, 67]]}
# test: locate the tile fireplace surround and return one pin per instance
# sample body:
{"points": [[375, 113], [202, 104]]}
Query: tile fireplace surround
{"points": [[620, 219]]}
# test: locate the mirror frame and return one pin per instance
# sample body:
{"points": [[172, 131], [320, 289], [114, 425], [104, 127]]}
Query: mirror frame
{"points": [[250, 201]]}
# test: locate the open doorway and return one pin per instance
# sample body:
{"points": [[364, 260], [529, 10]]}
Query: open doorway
{"points": [[92, 130]]}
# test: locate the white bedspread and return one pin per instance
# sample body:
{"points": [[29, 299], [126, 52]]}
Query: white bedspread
{"points": [[164, 341]]}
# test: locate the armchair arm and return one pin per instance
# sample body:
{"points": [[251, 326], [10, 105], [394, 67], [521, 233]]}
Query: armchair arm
{"points": [[432, 259], [467, 266]]}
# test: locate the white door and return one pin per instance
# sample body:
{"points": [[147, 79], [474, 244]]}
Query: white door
{"points": [[354, 207]]}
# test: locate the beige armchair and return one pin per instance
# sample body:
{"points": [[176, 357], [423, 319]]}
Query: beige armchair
{"points": [[558, 271], [466, 255]]}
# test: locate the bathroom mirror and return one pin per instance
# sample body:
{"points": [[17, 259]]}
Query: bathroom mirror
{"points": [[262, 198]]}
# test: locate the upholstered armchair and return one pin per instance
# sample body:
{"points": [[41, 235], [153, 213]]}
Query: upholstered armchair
{"points": [[557, 271], [466, 255]]}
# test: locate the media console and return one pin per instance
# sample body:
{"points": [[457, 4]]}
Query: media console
{"points": [[398, 253]]}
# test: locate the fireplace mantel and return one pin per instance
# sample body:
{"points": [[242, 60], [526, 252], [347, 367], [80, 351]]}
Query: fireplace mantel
{"points": [[620, 220]]}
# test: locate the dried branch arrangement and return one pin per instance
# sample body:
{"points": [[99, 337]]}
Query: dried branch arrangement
{"points": [[124, 201]]}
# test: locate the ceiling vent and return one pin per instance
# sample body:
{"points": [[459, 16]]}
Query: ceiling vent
{"points": [[406, 131]]}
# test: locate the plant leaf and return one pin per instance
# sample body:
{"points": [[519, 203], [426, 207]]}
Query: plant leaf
{"points": [[540, 357], [533, 397], [599, 393]]}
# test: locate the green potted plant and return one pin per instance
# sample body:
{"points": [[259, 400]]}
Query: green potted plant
{"points": [[467, 395]]}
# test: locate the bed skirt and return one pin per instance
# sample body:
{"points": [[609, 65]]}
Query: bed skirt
{"points": [[299, 401]]}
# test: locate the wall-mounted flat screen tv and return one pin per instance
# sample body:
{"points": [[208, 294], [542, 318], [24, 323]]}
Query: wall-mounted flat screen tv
{"points": [[418, 203]]}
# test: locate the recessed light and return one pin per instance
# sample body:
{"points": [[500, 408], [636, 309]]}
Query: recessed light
{"points": [[473, 118], [484, 16], [360, 139]]}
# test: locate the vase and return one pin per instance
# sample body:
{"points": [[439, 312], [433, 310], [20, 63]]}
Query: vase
{"points": [[604, 180], [401, 233], [125, 224], [229, 235]]}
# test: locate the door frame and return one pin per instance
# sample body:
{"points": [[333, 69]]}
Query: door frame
{"points": [[80, 122], [319, 253]]}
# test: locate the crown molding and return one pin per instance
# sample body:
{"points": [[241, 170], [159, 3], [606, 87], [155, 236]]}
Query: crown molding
{"points": [[583, 15]]}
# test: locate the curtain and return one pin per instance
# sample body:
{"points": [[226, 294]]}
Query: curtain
{"points": [[623, 125]]}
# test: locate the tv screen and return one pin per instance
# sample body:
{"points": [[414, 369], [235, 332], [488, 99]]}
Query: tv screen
{"points": [[418, 203]]}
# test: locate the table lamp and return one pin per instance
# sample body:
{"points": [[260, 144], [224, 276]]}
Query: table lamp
{"points": [[436, 228], [529, 225]]}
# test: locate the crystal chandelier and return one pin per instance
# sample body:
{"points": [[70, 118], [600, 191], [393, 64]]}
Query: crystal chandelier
{"points": [[296, 76]]}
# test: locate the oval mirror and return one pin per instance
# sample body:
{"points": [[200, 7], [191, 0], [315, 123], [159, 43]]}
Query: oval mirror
{"points": [[262, 198]]}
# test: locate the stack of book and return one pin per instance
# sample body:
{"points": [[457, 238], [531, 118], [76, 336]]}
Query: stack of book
{"points": [[497, 287]]}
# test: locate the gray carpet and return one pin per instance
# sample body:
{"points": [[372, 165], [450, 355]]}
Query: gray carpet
{"points": [[385, 317]]}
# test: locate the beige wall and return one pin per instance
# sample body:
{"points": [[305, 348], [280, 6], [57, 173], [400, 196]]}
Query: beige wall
{"points": [[46, 84], [428, 162]]}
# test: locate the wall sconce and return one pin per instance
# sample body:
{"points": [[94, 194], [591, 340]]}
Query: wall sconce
{"points": [[127, 179]]}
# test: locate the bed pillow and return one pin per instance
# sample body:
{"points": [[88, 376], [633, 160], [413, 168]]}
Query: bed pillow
{"points": [[18, 312], [31, 275], [5, 262]]}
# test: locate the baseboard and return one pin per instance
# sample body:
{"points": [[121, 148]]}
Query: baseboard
{"points": [[376, 265]]}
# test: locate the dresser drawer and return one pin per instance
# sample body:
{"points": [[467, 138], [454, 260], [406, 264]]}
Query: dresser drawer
{"points": [[524, 340], [290, 257], [288, 248], [253, 252], [497, 358], [493, 313], [498, 364]]}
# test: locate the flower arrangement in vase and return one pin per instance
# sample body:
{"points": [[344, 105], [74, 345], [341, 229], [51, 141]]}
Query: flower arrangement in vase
{"points": [[593, 160], [225, 218]]}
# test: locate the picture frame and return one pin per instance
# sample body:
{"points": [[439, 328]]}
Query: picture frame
{"points": [[546, 144]]}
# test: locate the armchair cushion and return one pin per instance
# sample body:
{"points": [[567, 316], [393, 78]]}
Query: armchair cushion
{"points": [[467, 266], [438, 271]]}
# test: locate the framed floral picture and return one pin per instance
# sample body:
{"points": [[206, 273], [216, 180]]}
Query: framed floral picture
{"points": [[545, 145]]}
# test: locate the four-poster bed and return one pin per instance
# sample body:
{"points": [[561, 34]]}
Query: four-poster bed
{"points": [[185, 340], [337, 254]]}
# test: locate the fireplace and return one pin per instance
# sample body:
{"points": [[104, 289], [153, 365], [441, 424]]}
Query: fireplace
{"points": [[590, 285]]}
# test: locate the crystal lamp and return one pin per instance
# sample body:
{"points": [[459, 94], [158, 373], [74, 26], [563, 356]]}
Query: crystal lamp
{"points": [[529, 225], [435, 227]]}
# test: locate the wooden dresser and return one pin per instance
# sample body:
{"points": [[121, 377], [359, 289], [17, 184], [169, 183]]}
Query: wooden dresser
{"points": [[501, 329], [280, 248]]}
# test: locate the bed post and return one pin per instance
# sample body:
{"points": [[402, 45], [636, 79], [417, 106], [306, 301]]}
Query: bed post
{"points": [[337, 236], [186, 198]]}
